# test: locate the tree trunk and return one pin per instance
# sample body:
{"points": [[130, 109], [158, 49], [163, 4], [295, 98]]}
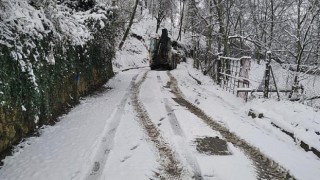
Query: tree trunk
{"points": [[272, 24], [129, 25], [158, 25], [223, 36], [181, 20], [160, 18], [210, 28], [298, 51]]}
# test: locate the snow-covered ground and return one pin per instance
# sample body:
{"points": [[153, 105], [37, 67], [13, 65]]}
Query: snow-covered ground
{"points": [[104, 137], [232, 112], [70, 148], [296, 118], [284, 80]]}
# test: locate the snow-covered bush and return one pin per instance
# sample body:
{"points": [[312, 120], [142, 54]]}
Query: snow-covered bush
{"points": [[50, 55], [43, 19]]}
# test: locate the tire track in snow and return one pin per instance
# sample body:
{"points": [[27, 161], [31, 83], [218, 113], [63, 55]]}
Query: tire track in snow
{"points": [[266, 167], [183, 145], [101, 155], [172, 168]]}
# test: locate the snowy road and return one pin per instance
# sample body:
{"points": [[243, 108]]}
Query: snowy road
{"points": [[158, 125]]}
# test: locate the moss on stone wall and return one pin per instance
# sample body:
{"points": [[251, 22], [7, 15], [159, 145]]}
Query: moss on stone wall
{"points": [[34, 92]]}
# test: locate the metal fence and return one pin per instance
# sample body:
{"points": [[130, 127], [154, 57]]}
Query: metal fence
{"points": [[234, 75]]}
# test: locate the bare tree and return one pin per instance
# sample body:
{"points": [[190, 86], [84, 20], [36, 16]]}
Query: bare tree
{"points": [[181, 19], [160, 15], [306, 16], [129, 25]]}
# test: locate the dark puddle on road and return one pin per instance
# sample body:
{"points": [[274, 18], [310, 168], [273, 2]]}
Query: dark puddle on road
{"points": [[212, 146]]}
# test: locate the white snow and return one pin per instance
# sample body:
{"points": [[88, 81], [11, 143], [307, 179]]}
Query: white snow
{"points": [[102, 138], [67, 149], [232, 113]]}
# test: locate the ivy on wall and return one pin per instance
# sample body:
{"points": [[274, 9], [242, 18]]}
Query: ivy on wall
{"points": [[40, 81]]}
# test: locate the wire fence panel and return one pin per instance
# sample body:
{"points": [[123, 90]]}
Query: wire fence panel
{"points": [[234, 75]]}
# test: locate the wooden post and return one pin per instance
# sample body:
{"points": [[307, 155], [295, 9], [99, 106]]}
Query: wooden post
{"points": [[244, 67], [267, 76], [219, 69], [275, 84]]}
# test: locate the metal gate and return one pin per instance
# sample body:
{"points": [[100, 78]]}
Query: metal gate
{"points": [[234, 75]]}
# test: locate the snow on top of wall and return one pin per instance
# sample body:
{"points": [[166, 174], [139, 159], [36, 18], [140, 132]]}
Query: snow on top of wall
{"points": [[22, 26], [18, 17]]}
